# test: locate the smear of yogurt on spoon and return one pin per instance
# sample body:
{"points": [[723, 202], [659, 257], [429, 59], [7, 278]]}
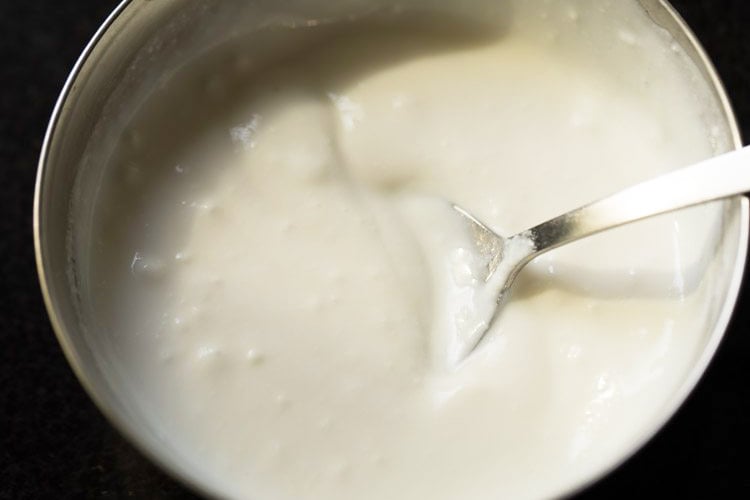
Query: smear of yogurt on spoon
{"points": [[467, 285]]}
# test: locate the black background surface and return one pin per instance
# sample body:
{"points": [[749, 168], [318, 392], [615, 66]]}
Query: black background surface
{"points": [[55, 444]]}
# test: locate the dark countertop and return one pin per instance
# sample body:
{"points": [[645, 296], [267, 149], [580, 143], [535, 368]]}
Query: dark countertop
{"points": [[55, 444]]}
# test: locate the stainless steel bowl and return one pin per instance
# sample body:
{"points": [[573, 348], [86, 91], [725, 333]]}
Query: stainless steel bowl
{"points": [[143, 42]]}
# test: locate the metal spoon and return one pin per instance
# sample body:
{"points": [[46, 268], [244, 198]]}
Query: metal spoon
{"points": [[718, 177]]}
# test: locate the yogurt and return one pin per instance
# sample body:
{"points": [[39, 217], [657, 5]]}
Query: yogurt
{"points": [[283, 287]]}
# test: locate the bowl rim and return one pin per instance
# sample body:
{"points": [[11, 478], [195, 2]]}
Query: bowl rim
{"points": [[120, 424]]}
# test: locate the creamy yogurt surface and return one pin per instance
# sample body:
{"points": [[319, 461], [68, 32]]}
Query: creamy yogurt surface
{"points": [[273, 261]]}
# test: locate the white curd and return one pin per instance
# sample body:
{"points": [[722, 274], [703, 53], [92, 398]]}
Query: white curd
{"points": [[283, 293]]}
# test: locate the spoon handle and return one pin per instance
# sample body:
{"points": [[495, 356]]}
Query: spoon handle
{"points": [[719, 177]]}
